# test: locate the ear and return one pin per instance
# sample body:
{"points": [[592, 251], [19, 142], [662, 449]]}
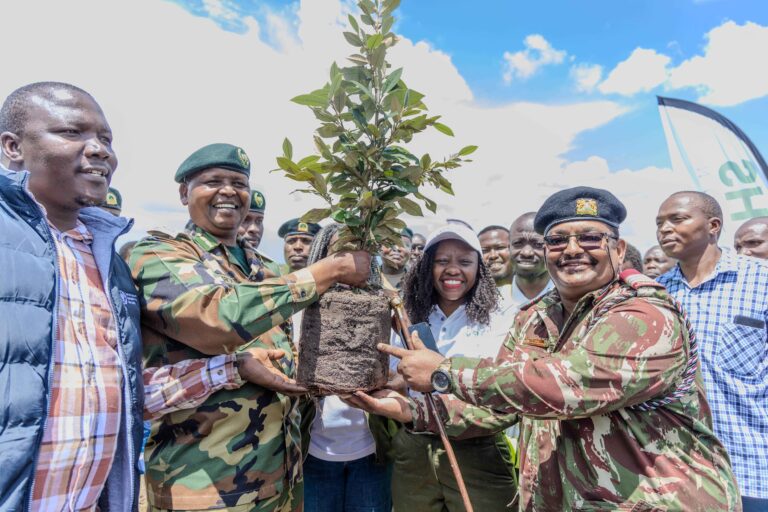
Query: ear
{"points": [[621, 250], [10, 150], [184, 193], [715, 227]]}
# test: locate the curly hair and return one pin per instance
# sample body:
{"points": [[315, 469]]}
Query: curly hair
{"points": [[420, 295]]}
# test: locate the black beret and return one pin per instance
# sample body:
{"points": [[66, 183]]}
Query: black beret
{"points": [[579, 203], [113, 201], [258, 202], [225, 156], [296, 227]]}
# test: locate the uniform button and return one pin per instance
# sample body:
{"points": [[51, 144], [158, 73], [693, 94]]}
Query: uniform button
{"points": [[303, 293]]}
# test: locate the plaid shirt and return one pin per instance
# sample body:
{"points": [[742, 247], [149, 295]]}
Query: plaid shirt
{"points": [[80, 433], [729, 312]]}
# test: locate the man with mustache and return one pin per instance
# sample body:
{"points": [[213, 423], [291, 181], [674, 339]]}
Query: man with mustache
{"points": [[204, 294], [726, 296], [297, 238], [604, 373], [72, 406]]}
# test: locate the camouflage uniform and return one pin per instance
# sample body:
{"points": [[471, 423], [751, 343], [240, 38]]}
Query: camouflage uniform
{"points": [[240, 445], [614, 415]]}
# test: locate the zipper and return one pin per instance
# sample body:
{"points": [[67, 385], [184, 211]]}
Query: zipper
{"points": [[54, 326], [127, 403]]}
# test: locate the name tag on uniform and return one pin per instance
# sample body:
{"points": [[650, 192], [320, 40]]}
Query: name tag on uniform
{"points": [[536, 342]]}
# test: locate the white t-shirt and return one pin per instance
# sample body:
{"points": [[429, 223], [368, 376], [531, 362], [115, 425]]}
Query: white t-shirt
{"points": [[513, 298], [339, 432]]}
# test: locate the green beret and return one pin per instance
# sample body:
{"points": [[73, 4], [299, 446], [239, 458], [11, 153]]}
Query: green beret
{"points": [[113, 201], [407, 233], [258, 203], [225, 156], [579, 203], [296, 227]]}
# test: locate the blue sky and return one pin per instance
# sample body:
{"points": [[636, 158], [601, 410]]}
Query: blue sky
{"points": [[477, 34]]}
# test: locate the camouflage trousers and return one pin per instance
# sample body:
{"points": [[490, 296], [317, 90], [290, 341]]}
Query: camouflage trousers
{"points": [[422, 479], [292, 500]]}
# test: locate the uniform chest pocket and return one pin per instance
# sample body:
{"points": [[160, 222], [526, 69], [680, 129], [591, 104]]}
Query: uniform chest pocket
{"points": [[743, 350]]}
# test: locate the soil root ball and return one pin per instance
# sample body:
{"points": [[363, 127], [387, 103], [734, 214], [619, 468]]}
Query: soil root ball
{"points": [[339, 334]]}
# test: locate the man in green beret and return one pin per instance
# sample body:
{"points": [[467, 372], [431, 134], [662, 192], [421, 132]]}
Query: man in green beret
{"points": [[297, 237], [113, 203], [252, 229], [395, 258], [203, 293]]}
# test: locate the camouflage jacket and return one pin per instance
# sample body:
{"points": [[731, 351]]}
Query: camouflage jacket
{"points": [[614, 415], [240, 445]]}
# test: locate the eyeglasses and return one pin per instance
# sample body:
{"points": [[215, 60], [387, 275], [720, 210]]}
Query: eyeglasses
{"points": [[587, 241]]}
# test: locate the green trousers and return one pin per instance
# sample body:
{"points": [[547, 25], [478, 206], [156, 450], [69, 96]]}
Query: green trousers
{"points": [[290, 500], [422, 480]]}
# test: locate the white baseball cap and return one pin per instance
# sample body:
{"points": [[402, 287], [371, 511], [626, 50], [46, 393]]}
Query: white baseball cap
{"points": [[454, 230]]}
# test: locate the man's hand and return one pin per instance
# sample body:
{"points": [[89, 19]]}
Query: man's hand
{"points": [[416, 366], [255, 366], [383, 402], [352, 267]]}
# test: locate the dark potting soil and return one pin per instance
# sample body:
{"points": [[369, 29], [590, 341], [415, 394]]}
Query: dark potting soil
{"points": [[339, 334]]}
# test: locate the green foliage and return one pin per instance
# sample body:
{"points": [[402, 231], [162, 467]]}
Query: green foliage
{"points": [[364, 171]]}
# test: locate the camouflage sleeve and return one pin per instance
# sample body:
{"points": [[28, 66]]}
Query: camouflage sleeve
{"points": [[186, 300], [461, 420], [635, 352]]}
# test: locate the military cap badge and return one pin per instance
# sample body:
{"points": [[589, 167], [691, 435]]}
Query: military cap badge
{"points": [[586, 206], [303, 227], [111, 200], [259, 200], [243, 157]]}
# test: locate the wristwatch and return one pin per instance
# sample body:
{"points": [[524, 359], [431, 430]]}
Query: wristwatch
{"points": [[441, 380]]}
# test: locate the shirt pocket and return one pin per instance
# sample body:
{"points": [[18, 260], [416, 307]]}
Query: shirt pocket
{"points": [[742, 350]]}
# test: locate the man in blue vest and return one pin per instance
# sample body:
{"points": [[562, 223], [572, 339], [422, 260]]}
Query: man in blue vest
{"points": [[74, 392]]}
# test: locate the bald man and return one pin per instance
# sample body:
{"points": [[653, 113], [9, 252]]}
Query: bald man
{"points": [[726, 297], [751, 239], [656, 262]]}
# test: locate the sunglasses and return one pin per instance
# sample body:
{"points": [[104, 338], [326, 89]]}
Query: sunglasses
{"points": [[587, 241]]}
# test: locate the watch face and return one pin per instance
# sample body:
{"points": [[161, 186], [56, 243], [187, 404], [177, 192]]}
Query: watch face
{"points": [[441, 381]]}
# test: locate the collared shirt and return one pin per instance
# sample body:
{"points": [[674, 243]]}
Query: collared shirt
{"points": [[729, 311], [241, 445], [80, 433], [513, 298]]}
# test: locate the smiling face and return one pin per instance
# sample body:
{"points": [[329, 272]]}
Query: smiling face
{"points": [[217, 200], [527, 249], [417, 248], [66, 146], [683, 229], [751, 238], [454, 273], [252, 228], [496, 255], [576, 271]]}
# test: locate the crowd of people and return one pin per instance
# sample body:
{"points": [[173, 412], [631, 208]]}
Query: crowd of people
{"points": [[569, 370]]}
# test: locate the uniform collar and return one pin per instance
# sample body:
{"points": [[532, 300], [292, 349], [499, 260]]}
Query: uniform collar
{"points": [[210, 243]]}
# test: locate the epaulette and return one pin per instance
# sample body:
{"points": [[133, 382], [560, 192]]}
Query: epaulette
{"points": [[642, 284]]}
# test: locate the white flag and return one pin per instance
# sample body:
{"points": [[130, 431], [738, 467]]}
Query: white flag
{"points": [[719, 157]]}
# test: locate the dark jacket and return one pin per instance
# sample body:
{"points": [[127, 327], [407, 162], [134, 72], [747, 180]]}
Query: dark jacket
{"points": [[28, 295]]}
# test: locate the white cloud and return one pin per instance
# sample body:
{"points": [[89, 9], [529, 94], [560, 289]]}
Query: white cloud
{"points": [[732, 69], [525, 63], [586, 76], [643, 71], [167, 96]]}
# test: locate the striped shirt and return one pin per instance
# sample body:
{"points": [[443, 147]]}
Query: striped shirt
{"points": [[729, 312], [80, 432]]}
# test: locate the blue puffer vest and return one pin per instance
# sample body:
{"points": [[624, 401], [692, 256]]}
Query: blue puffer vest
{"points": [[28, 295]]}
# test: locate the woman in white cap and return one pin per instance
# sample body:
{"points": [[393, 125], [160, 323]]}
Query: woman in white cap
{"points": [[452, 290]]}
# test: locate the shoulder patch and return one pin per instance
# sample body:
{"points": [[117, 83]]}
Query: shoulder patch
{"points": [[637, 280]]}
